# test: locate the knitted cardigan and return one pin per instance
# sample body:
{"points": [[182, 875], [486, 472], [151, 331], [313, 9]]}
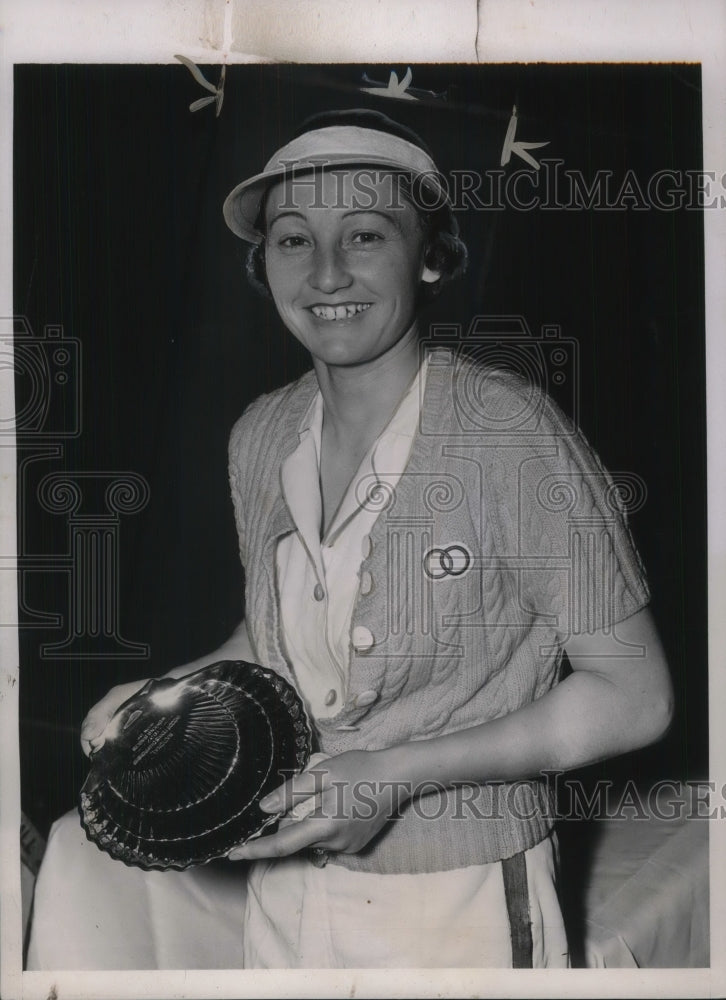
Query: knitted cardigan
{"points": [[442, 642]]}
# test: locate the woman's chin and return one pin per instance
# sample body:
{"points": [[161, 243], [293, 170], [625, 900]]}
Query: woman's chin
{"points": [[340, 358]]}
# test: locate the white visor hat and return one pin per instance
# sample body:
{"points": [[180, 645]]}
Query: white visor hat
{"points": [[334, 146]]}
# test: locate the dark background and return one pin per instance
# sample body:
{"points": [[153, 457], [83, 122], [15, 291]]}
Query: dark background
{"points": [[119, 238]]}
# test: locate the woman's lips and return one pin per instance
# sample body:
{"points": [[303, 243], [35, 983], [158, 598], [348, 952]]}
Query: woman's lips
{"points": [[344, 311]]}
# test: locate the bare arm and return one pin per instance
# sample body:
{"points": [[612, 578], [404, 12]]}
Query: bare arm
{"points": [[237, 647], [617, 699]]}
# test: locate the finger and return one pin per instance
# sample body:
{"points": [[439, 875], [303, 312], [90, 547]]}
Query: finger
{"points": [[281, 844], [91, 746], [92, 731], [294, 791], [301, 811], [284, 797], [315, 759], [93, 727], [287, 820], [94, 723], [101, 714], [305, 808]]}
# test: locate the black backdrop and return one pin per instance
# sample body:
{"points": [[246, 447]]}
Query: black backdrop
{"points": [[119, 239]]}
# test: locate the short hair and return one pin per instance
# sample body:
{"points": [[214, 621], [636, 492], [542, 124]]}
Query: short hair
{"points": [[445, 250]]}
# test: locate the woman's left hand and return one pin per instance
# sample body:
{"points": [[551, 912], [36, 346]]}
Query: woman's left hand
{"points": [[337, 803]]}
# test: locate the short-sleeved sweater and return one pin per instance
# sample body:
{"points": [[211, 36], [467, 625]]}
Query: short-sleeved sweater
{"points": [[503, 537]]}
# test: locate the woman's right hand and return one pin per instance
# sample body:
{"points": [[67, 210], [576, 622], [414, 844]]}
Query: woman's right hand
{"points": [[237, 647], [95, 723]]}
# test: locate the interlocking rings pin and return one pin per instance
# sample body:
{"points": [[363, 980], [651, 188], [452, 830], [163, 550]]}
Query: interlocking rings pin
{"points": [[454, 560]]}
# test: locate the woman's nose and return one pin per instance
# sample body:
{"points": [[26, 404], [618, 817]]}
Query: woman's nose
{"points": [[329, 271]]}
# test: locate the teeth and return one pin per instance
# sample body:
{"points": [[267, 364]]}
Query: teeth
{"points": [[340, 312]]}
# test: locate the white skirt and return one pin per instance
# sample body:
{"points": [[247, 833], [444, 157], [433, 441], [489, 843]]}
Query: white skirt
{"points": [[91, 912], [300, 916]]}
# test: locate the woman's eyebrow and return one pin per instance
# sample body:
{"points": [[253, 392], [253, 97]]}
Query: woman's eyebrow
{"points": [[374, 211], [370, 211], [292, 213], [284, 214]]}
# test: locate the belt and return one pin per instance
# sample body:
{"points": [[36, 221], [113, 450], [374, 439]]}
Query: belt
{"points": [[516, 893]]}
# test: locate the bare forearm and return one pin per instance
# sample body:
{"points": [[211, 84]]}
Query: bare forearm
{"points": [[581, 721], [609, 705], [618, 698]]}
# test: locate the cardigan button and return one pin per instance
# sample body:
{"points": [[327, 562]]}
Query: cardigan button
{"points": [[366, 583], [318, 592], [366, 698], [366, 546], [331, 697], [362, 639]]}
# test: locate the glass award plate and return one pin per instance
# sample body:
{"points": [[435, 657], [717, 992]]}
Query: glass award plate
{"points": [[186, 762]]}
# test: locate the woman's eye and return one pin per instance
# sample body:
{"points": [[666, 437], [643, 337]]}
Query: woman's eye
{"points": [[292, 242], [366, 238]]}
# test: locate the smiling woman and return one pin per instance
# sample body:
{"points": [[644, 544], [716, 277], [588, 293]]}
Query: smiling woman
{"points": [[345, 279], [367, 188], [422, 834]]}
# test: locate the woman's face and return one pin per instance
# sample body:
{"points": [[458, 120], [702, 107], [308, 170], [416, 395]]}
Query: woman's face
{"points": [[344, 258]]}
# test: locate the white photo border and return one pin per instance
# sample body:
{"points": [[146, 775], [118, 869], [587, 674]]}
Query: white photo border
{"points": [[344, 31]]}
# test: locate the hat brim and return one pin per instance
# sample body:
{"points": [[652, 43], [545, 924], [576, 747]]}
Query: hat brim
{"points": [[242, 205]]}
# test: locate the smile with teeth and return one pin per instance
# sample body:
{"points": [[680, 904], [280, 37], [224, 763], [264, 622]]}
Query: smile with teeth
{"points": [[345, 311]]}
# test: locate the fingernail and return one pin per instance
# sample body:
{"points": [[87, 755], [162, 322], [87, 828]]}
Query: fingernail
{"points": [[270, 803], [237, 855]]}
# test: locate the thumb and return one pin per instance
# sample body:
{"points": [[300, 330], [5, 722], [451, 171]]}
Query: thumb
{"points": [[94, 722], [91, 746], [92, 731], [94, 725]]}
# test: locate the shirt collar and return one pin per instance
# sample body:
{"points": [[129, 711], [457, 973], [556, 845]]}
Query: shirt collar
{"points": [[401, 421], [386, 457]]}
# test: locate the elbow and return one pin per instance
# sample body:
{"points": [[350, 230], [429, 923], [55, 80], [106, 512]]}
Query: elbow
{"points": [[662, 719], [656, 715]]}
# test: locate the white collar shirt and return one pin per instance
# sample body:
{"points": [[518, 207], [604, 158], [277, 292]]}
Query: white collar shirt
{"points": [[318, 579]]}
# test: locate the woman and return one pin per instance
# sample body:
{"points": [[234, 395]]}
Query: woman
{"points": [[412, 568]]}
